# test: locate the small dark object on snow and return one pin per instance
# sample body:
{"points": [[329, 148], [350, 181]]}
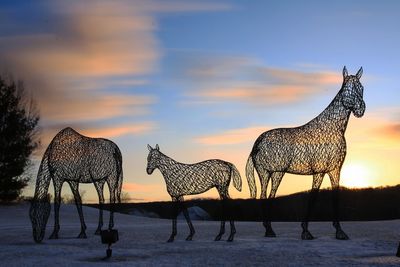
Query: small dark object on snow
{"points": [[398, 251], [109, 237]]}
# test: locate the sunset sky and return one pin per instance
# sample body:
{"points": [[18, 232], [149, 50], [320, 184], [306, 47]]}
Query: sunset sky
{"points": [[203, 79]]}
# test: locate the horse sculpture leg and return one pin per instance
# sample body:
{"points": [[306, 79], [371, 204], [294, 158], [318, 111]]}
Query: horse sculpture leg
{"points": [[175, 211], [224, 196], [112, 187], [99, 188], [78, 202], [187, 217], [317, 181], [221, 230], [276, 179], [335, 177], [57, 200], [264, 176], [230, 215], [222, 213]]}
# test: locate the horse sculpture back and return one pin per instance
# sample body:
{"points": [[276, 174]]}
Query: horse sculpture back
{"points": [[315, 148], [74, 158]]}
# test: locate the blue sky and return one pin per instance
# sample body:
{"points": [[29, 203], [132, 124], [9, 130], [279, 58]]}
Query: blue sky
{"points": [[203, 79]]}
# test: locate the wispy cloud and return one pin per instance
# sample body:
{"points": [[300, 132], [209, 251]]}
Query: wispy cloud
{"points": [[373, 131], [143, 188], [233, 136], [75, 54], [215, 79], [120, 130], [258, 94], [95, 107], [391, 131]]}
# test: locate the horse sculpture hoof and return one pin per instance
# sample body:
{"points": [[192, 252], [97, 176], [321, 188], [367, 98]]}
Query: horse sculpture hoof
{"points": [[82, 235], [218, 237], [340, 235], [189, 238], [53, 236], [170, 240], [230, 238], [270, 234], [306, 235]]}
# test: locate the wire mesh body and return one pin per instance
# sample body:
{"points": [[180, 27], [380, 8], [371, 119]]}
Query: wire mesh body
{"points": [[74, 158], [189, 179], [316, 148]]}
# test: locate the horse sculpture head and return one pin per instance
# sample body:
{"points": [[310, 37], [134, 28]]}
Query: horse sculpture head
{"points": [[39, 214], [153, 158], [352, 93]]}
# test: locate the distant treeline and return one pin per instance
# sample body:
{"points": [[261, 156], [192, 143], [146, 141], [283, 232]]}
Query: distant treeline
{"points": [[381, 203]]}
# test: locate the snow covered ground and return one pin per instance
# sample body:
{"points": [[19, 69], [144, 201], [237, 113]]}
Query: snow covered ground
{"points": [[142, 243]]}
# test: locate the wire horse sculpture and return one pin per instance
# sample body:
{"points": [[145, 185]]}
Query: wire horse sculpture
{"points": [[74, 158], [315, 148], [190, 179]]}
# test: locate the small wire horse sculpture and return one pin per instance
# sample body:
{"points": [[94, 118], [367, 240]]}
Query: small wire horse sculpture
{"points": [[74, 158], [316, 148], [190, 179]]}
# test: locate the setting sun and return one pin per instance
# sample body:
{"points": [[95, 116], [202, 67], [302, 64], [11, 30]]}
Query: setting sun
{"points": [[356, 175]]}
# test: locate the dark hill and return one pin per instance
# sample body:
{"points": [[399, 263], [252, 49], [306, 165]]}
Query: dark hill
{"points": [[381, 203]]}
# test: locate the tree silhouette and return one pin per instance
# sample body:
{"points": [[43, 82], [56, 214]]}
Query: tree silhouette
{"points": [[18, 137]]}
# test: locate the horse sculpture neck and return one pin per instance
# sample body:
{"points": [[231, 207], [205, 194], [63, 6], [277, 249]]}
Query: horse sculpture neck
{"points": [[43, 179], [166, 165], [334, 118]]}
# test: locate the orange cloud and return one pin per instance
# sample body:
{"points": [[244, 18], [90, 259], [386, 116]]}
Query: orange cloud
{"points": [[234, 136], [143, 188], [95, 107], [71, 54], [69, 65], [391, 131], [120, 130], [287, 76], [215, 79], [102, 38], [374, 131], [257, 93]]}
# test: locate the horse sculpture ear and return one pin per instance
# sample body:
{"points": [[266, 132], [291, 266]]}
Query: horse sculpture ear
{"points": [[157, 147], [359, 73], [345, 72], [149, 147]]}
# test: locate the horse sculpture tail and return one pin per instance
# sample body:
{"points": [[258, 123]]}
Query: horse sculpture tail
{"points": [[119, 186], [237, 180], [250, 177], [120, 176]]}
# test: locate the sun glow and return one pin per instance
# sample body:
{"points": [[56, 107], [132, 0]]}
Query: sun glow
{"points": [[356, 175]]}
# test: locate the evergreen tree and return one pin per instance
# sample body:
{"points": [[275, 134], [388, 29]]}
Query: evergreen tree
{"points": [[18, 137]]}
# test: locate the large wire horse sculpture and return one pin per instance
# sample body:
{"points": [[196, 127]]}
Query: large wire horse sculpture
{"points": [[316, 148], [190, 179], [74, 158]]}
